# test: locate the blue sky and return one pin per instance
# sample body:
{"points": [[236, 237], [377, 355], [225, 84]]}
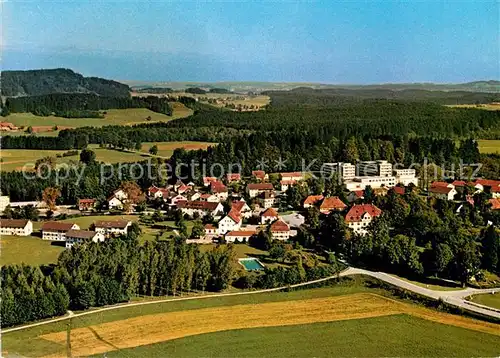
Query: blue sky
{"points": [[316, 41]]}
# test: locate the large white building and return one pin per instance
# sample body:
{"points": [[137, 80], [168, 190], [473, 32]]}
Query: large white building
{"points": [[112, 227], [78, 236], [346, 171], [16, 227], [4, 202], [360, 183], [360, 216], [230, 222], [56, 230], [406, 176], [374, 167]]}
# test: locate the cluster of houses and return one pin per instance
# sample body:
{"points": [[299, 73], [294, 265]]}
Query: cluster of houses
{"points": [[448, 191], [67, 232]]}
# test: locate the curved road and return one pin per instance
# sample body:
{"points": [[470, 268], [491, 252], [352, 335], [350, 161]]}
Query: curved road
{"points": [[455, 298]]}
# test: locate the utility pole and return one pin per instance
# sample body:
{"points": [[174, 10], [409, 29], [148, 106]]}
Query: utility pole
{"points": [[68, 339]]}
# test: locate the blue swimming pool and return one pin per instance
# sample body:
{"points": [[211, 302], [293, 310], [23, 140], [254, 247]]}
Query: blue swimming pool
{"points": [[251, 264]]}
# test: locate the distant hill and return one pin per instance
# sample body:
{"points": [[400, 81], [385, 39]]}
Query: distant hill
{"points": [[60, 80], [477, 86]]}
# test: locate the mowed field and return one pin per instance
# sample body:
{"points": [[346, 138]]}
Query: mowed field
{"points": [[486, 106], [16, 159], [489, 146], [122, 117], [343, 320], [487, 300]]}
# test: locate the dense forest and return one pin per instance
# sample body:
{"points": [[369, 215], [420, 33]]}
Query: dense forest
{"points": [[60, 80], [74, 105], [305, 96]]}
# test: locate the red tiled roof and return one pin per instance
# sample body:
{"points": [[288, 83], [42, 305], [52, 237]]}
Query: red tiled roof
{"points": [[332, 203], [14, 223], [357, 211], [488, 182], [86, 201], [237, 205], [288, 182], [153, 189], [279, 226], [495, 189], [313, 199], [233, 176], [218, 187], [495, 204], [358, 193], [270, 212], [292, 174], [235, 216], [200, 205], [56, 226], [259, 174], [399, 190], [241, 233], [209, 227], [459, 183], [207, 180], [260, 186], [182, 188], [440, 190], [81, 234]]}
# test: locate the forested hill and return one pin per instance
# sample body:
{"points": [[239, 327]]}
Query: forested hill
{"points": [[60, 80], [305, 96]]}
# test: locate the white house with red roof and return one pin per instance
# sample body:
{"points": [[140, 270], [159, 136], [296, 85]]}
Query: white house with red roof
{"points": [[175, 198], [202, 208], [211, 198], [208, 180], [218, 189], [255, 189], [239, 235], [330, 204], [260, 175], [232, 221], [287, 184], [443, 192], [210, 230], [267, 199], [242, 207], [280, 230], [268, 216], [312, 200], [293, 176], [233, 177], [360, 216]]}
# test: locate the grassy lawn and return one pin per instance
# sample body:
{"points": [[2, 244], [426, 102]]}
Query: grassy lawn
{"points": [[365, 336], [486, 106], [409, 337], [489, 146], [487, 299], [166, 149], [128, 116], [29, 250], [434, 284]]}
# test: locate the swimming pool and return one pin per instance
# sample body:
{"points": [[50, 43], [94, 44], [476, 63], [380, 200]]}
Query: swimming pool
{"points": [[251, 264]]}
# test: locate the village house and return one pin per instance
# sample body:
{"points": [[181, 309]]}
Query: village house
{"points": [[112, 227], [355, 195], [239, 235], [495, 203], [174, 199], [360, 183], [406, 176], [210, 230], [443, 192], [219, 190], [182, 189], [211, 198], [78, 236], [155, 192], [178, 184], [330, 204], [192, 195], [280, 230], [233, 177], [16, 227], [268, 216], [242, 207], [115, 203], [312, 200], [360, 216], [294, 176], [230, 222], [260, 175], [56, 230], [86, 204], [286, 184], [267, 199], [208, 180], [202, 208], [399, 190], [255, 189]]}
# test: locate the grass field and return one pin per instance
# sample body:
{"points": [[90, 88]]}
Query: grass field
{"points": [[123, 117], [434, 284], [341, 320], [30, 250], [15, 159], [487, 106], [487, 300], [489, 146]]}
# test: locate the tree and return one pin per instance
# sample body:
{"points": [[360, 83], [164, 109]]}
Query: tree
{"points": [[138, 146], [198, 230], [8, 212], [134, 194], [262, 240], [312, 218], [153, 150], [277, 251], [350, 153], [467, 261], [490, 249], [50, 196], [87, 156]]}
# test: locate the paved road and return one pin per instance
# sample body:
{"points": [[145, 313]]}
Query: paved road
{"points": [[456, 298]]}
